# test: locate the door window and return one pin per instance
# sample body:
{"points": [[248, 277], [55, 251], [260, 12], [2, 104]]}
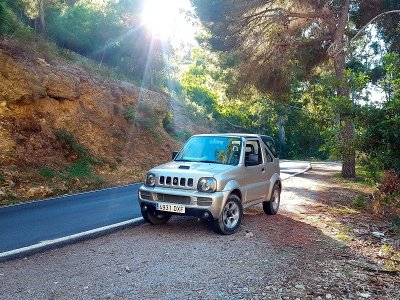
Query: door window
{"points": [[268, 156], [253, 148]]}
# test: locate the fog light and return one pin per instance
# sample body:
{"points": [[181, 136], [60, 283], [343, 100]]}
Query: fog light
{"points": [[206, 215], [144, 208]]}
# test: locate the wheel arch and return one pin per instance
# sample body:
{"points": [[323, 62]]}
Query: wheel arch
{"points": [[238, 193], [279, 183], [275, 179]]}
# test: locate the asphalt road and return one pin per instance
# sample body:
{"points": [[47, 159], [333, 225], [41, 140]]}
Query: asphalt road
{"points": [[292, 167], [41, 223]]}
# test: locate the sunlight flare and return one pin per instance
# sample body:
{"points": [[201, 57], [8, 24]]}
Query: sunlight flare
{"points": [[166, 19]]}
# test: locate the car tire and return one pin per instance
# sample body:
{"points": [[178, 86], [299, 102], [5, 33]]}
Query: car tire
{"points": [[271, 207], [231, 216], [156, 217]]}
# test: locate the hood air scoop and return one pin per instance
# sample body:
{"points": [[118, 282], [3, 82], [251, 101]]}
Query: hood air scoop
{"points": [[184, 167]]}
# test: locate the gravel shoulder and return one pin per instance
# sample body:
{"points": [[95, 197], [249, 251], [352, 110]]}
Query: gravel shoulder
{"points": [[293, 255]]}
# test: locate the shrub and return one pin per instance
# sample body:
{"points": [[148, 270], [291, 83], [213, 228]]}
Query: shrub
{"points": [[10, 196], [387, 200], [80, 169], [167, 122], [129, 113], [147, 122], [148, 116], [71, 142], [184, 135], [396, 225], [146, 108], [47, 173], [359, 202], [390, 183]]}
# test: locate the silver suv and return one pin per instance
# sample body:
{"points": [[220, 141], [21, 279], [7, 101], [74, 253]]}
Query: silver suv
{"points": [[214, 176]]}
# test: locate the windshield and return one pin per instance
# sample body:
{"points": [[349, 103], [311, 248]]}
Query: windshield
{"points": [[211, 149]]}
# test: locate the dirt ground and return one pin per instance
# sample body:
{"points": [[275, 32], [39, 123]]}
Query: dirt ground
{"points": [[310, 250]]}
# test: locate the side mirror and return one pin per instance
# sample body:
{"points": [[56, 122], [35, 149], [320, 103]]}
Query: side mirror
{"points": [[251, 160], [174, 154]]}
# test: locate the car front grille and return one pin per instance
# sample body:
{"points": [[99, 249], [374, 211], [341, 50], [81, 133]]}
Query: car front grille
{"points": [[173, 198], [175, 181]]}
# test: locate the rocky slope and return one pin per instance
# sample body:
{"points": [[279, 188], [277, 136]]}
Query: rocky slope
{"points": [[63, 129]]}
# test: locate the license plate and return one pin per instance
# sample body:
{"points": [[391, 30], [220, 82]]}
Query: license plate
{"points": [[171, 208]]}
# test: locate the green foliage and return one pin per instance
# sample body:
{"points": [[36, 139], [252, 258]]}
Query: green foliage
{"points": [[396, 225], [167, 121], [10, 196], [2, 177], [380, 139], [390, 81], [108, 32], [147, 122], [183, 135], [72, 143], [359, 202], [47, 173], [195, 83], [369, 172], [80, 169], [148, 117], [10, 24], [392, 255], [129, 113]]}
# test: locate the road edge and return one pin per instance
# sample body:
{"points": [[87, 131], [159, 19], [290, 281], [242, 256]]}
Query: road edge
{"points": [[68, 195], [70, 239]]}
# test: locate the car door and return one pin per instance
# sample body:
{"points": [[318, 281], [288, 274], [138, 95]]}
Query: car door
{"points": [[255, 175]]}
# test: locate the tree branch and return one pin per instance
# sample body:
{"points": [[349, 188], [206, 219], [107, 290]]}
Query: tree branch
{"points": [[280, 12], [310, 42]]}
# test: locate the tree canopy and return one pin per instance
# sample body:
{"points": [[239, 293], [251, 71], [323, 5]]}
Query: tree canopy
{"points": [[271, 40]]}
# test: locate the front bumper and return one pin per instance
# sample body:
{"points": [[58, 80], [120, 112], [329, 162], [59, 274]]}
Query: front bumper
{"points": [[196, 203]]}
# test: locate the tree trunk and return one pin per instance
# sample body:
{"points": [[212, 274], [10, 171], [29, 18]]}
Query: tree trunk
{"points": [[41, 16], [347, 126], [343, 92], [282, 137]]}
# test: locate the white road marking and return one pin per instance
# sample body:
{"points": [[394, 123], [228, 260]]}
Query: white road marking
{"points": [[65, 239], [297, 173]]}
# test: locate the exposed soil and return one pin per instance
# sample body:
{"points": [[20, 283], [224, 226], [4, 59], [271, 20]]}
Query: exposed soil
{"points": [[119, 124], [297, 254]]}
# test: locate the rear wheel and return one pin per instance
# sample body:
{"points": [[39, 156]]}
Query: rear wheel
{"points": [[231, 217], [156, 217], [271, 207]]}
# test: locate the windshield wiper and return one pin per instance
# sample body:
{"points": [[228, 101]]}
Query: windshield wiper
{"points": [[200, 161], [209, 161]]}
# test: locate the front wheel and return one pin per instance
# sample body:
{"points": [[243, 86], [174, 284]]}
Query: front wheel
{"points": [[156, 217], [231, 217], [271, 207]]}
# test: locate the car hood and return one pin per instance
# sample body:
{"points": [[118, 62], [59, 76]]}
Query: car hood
{"points": [[196, 167]]}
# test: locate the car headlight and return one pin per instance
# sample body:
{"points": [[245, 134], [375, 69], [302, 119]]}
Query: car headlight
{"points": [[150, 180], [207, 184]]}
